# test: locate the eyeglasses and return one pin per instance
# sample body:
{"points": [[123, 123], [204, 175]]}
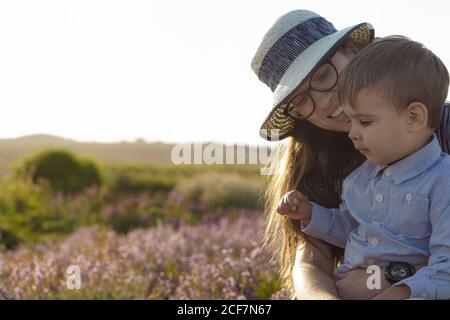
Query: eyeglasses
{"points": [[324, 79]]}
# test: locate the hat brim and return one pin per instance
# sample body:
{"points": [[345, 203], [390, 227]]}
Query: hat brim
{"points": [[300, 70]]}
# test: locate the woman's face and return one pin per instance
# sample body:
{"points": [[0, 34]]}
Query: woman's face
{"points": [[326, 114]]}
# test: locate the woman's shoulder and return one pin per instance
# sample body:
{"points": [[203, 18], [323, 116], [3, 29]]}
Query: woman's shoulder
{"points": [[446, 108], [443, 131], [445, 112]]}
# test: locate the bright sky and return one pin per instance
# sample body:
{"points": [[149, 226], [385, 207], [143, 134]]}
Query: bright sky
{"points": [[162, 70]]}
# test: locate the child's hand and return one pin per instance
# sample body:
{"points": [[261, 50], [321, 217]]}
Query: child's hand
{"points": [[296, 206]]}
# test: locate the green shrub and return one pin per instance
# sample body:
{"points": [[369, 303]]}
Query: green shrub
{"points": [[127, 183], [233, 192], [24, 211], [132, 212], [63, 170], [221, 191], [32, 212], [8, 239]]}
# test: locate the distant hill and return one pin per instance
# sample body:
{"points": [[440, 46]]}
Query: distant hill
{"points": [[136, 152], [109, 153]]}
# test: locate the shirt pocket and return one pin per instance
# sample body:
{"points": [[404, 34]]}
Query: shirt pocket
{"points": [[408, 215], [360, 201]]}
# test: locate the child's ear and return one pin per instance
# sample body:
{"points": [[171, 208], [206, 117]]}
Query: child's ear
{"points": [[417, 116]]}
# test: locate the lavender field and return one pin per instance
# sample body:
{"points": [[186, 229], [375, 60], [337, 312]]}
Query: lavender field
{"points": [[211, 260], [72, 228]]}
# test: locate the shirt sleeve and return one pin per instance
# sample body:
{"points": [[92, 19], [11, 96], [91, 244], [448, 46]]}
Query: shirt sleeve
{"points": [[433, 280], [331, 225]]}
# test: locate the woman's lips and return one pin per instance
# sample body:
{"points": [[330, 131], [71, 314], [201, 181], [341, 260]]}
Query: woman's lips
{"points": [[337, 113], [363, 150]]}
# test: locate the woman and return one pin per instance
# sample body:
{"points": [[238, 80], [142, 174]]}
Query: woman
{"points": [[300, 59]]}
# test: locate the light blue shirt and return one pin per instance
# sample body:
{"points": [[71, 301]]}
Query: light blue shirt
{"points": [[390, 213]]}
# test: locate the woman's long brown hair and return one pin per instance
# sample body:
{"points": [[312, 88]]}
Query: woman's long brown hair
{"points": [[315, 162]]}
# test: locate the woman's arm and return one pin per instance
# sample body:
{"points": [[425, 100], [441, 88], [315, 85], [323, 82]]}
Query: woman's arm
{"points": [[313, 275], [394, 293], [313, 271], [353, 285]]}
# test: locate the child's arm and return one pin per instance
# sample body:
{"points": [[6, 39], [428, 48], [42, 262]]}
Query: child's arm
{"points": [[330, 225], [296, 206]]}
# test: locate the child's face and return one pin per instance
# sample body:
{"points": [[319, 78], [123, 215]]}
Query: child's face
{"points": [[377, 130]]}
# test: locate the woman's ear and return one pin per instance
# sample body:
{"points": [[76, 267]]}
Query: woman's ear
{"points": [[417, 116]]}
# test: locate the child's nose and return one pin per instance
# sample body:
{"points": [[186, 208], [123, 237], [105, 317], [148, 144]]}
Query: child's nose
{"points": [[353, 134]]}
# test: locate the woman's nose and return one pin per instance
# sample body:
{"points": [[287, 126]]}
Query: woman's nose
{"points": [[323, 100]]}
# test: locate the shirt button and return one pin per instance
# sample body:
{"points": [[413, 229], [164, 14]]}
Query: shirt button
{"points": [[379, 197], [408, 197], [387, 172], [374, 242]]}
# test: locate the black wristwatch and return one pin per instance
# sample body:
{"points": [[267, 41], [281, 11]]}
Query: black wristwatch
{"points": [[398, 271]]}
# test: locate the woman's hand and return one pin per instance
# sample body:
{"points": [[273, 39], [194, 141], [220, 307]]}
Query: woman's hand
{"points": [[353, 285], [400, 292], [296, 206]]}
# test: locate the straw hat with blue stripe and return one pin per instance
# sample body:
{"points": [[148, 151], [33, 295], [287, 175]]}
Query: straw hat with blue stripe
{"points": [[290, 52]]}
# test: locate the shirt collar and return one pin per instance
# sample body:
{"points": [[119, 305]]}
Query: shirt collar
{"points": [[412, 165]]}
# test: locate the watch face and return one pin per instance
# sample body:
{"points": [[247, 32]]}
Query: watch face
{"points": [[397, 271]]}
